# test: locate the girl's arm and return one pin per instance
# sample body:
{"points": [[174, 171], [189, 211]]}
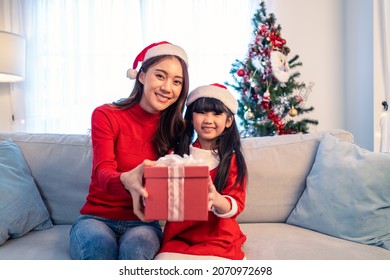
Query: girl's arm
{"points": [[231, 202]]}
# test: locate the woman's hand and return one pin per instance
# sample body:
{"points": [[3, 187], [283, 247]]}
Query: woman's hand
{"points": [[133, 182]]}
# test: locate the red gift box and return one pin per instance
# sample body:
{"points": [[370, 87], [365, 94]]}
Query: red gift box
{"points": [[176, 193]]}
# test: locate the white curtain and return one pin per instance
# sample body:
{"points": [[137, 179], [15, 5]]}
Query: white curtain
{"points": [[10, 16], [384, 14], [79, 50]]}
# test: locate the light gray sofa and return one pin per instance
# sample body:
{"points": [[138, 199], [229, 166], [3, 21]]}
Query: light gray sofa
{"points": [[278, 169]]}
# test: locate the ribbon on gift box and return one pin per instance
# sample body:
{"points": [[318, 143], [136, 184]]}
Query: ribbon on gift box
{"points": [[176, 173], [176, 193], [176, 160]]}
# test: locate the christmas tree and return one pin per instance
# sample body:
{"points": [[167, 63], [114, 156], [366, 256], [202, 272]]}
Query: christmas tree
{"points": [[271, 99]]}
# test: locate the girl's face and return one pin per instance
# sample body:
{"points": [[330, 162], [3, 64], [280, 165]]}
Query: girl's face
{"points": [[209, 126], [163, 83]]}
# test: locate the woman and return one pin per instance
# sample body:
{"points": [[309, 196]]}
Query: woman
{"points": [[126, 136]]}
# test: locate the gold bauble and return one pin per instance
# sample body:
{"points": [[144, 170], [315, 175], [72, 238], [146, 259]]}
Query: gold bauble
{"points": [[293, 112], [249, 116]]}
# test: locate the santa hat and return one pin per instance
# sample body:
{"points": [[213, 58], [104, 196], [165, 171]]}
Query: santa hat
{"points": [[156, 49], [216, 91]]}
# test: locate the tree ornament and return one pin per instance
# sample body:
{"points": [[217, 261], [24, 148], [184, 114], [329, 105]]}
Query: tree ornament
{"points": [[293, 112], [263, 30], [276, 40], [280, 66], [266, 96], [264, 105], [249, 116], [240, 72], [298, 99], [257, 63]]}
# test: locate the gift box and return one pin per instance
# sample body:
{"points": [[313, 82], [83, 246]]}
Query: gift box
{"points": [[176, 193]]}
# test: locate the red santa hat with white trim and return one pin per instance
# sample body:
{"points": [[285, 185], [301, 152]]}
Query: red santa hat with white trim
{"points": [[156, 49], [216, 91]]}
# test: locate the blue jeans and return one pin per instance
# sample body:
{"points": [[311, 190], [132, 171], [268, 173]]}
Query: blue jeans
{"points": [[96, 238]]}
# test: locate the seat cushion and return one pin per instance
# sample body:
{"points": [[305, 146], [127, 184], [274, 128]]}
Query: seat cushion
{"points": [[280, 241], [49, 244]]}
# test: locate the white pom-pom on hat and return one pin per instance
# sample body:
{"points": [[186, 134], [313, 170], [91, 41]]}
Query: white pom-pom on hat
{"points": [[156, 49], [132, 74], [216, 91]]}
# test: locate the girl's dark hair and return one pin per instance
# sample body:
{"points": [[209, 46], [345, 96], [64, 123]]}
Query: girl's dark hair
{"points": [[171, 126], [228, 143]]}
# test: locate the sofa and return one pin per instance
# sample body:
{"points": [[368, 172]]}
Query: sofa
{"points": [[283, 219]]}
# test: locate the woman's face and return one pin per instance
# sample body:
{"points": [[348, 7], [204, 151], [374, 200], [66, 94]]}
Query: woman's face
{"points": [[163, 83]]}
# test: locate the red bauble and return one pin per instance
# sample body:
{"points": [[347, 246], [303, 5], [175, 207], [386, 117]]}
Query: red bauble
{"points": [[264, 105], [240, 72]]}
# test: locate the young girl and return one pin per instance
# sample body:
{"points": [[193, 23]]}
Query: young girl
{"points": [[126, 135], [210, 113]]}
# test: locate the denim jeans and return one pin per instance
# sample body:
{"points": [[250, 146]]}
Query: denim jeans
{"points": [[96, 238]]}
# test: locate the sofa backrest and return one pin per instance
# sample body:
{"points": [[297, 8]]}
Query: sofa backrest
{"points": [[61, 166], [277, 166], [277, 171]]}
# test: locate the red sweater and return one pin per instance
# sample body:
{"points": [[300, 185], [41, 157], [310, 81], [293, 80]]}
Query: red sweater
{"points": [[218, 236], [121, 140]]}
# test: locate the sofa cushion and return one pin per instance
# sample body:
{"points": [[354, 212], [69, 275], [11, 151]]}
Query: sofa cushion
{"points": [[61, 165], [347, 194], [21, 206], [277, 171]]}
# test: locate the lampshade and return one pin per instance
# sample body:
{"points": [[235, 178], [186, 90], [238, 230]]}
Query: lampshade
{"points": [[12, 57]]}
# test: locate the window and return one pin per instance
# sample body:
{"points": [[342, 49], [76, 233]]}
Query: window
{"points": [[79, 50]]}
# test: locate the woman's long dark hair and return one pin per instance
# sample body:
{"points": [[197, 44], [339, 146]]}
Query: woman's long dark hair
{"points": [[171, 125], [228, 143]]}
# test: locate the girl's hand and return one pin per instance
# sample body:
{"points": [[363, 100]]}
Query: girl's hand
{"points": [[212, 194], [133, 182], [216, 200]]}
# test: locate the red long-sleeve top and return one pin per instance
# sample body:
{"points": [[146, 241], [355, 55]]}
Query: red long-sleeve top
{"points": [[121, 140]]}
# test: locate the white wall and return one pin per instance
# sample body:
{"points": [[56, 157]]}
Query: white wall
{"points": [[12, 113], [334, 39], [316, 37], [379, 77], [5, 108], [358, 70]]}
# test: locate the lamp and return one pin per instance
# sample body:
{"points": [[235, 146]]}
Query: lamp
{"points": [[12, 57]]}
